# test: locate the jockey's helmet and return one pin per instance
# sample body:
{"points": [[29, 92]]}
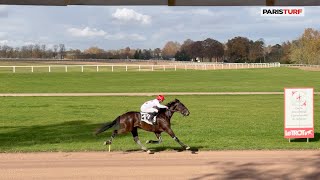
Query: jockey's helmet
{"points": [[160, 98]]}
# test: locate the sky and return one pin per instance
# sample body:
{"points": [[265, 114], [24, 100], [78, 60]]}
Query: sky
{"points": [[117, 27]]}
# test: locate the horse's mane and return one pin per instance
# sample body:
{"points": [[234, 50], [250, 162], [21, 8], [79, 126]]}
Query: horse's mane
{"points": [[172, 103]]}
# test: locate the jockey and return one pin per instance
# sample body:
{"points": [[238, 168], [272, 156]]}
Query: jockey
{"points": [[151, 107]]}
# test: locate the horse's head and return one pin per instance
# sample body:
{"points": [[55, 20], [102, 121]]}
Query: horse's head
{"points": [[177, 106]]}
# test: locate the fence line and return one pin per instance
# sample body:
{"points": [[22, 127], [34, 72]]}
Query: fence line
{"points": [[300, 65], [132, 67]]}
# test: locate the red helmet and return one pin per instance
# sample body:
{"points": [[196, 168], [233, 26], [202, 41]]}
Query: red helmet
{"points": [[160, 98]]}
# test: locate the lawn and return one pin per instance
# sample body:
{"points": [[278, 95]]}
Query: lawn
{"points": [[222, 122], [258, 80]]}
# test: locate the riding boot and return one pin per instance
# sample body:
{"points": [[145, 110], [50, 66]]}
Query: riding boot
{"points": [[152, 115]]}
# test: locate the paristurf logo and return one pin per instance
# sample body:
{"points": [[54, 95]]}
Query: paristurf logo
{"points": [[282, 11]]}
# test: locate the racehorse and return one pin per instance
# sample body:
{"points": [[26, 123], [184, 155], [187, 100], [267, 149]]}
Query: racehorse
{"points": [[131, 121]]}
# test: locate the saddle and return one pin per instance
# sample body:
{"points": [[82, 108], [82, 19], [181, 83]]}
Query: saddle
{"points": [[146, 117]]}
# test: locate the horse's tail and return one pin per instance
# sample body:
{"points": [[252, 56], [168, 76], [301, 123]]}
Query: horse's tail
{"points": [[107, 126]]}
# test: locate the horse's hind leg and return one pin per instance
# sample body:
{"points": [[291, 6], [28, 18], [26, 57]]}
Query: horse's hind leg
{"points": [[114, 133], [136, 138], [155, 142]]}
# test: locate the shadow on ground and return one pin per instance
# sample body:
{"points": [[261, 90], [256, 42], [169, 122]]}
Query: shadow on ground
{"points": [[294, 168], [66, 132], [315, 139]]}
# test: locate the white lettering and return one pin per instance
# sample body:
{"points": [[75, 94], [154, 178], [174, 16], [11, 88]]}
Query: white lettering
{"points": [[298, 132]]}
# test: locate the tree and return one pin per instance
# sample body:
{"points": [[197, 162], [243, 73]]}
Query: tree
{"points": [[55, 51], [62, 51], [36, 52], [140, 54], [157, 53], [136, 54], [306, 49], [275, 53], [74, 54], [93, 50], [285, 58], [212, 49], [256, 51], [182, 56], [238, 49], [196, 50], [147, 54], [186, 45], [43, 51], [127, 52], [170, 49]]}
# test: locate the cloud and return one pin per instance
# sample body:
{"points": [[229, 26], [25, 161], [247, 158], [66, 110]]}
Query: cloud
{"points": [[4, 42], [93, 32], [122, 36], [128, 15], [2, 34], [3, 11], [204, 12], [162, 32], [86, 32]]}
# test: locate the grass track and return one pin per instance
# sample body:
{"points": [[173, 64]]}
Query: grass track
{"points": [[245, 80], [224, 122]]}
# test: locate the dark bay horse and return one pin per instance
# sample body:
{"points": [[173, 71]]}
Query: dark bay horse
{"points": [[131, 121]]}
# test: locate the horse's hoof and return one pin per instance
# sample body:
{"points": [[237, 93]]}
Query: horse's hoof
{"points": [[187, 148], [149, 152], [107, 143], [148, 141]]}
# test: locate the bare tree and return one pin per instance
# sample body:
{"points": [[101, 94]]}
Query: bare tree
{"points": [[170, 49], [62, 51]]}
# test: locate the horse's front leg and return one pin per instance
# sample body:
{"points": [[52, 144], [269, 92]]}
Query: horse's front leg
{"points": [[171, 133], [156, 142]]}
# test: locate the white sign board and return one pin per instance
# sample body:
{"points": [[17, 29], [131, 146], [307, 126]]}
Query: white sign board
{"points": [[298, 120]]}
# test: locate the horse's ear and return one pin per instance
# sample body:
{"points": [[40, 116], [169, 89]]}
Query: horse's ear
{"points": [[176, 100]]}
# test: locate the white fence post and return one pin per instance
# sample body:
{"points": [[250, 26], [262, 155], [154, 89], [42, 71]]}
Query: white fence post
{"points": [[112, 68], [139, 68], [97, 68], [49, 68], [81, 68], [14, 69], [66, 68], [164, 67], [152, 68], [175, 67], [31, 68], [126, 67], [185, 67]]}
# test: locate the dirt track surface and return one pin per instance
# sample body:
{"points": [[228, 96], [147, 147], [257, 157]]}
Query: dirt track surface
{"points": [[162, 165]]}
